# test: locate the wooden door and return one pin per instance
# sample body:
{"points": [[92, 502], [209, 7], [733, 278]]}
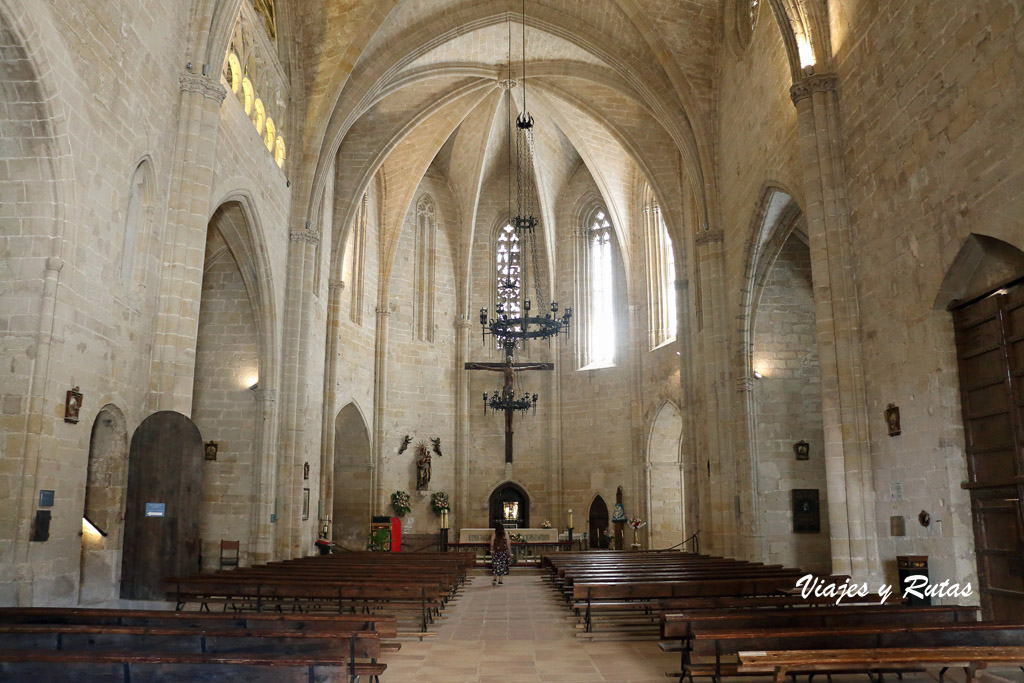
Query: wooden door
{"points": [[165, 468], [990, 355], [597, 521]]}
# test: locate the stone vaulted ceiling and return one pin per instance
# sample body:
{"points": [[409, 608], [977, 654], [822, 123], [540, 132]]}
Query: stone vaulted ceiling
{"points": [[621, 86]]}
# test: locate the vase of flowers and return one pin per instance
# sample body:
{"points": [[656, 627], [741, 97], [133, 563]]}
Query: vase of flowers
{"points": [[546, 524], [635, 523], [439, 502], [400, 503]]}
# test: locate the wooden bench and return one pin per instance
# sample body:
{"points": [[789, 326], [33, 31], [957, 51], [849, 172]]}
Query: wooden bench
{"points": [[720, 644], [125, 667], [970, 658]]}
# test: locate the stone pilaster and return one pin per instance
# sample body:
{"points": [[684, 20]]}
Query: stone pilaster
{"points": [[847, 455], [181, 278], [461, 504], [335, 288], [261, 531], [380, 387], [695, 490]]}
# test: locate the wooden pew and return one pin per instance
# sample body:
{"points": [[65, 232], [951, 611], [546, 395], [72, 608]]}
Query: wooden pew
{"points": [[37, 644], [789, 662], [720, 644]]}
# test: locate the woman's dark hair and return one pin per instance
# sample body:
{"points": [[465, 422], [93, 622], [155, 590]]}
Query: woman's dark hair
{"points": [[499, 529]]}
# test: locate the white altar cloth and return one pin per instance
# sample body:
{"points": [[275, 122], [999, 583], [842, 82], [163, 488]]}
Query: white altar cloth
{"points": [[529, 535]]}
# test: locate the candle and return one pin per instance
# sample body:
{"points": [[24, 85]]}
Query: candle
{"points": [[570, 518]]}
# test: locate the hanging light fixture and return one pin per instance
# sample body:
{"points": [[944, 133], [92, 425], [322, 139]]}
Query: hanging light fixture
{"points": [[512, 326]]}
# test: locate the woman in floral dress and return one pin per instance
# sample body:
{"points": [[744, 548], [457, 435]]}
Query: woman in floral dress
{"points": [[500, 553]]}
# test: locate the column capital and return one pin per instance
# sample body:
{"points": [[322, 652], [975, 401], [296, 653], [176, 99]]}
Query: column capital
{"points": [[202, 85], [305, 235], [335, 285], [812, 84], [709, 237], [266, 396], [463, 322]]}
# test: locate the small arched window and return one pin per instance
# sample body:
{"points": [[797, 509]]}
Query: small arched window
{"points": [[270, 135], [247, 96], [133, 244], [259, 117], [279, 152]]}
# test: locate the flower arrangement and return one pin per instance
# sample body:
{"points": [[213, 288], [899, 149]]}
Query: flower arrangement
{"points": [[400, 503], [516, 538], [636, 523], [439, 502], [546, 524]]}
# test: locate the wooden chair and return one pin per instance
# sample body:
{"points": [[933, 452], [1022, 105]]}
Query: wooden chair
{"points": [[228, 554]]}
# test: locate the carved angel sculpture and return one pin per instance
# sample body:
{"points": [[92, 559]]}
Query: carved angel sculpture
{"points": [[436, 443], [406, 440]]}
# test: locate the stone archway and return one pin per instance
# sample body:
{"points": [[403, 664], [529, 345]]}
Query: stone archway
{"points": [[597, 521], [985, 290], [352, 488], [517, 501], [103, 514], [665, 484]]}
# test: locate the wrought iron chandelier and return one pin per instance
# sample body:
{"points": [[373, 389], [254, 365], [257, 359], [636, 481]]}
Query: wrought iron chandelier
{"points": [[512, 326], [500, 403]]}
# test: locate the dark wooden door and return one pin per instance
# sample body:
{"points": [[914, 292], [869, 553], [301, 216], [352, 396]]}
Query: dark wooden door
{"points": [[990, 355], [165, 467], [597, 521]]}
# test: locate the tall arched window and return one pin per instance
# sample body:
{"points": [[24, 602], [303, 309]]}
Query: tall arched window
{"points": [[135, 242], [508, 269], [661, 275], [598, 291]]}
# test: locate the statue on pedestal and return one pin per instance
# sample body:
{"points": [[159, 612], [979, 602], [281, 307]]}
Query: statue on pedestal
{"points": [[619, 519]]}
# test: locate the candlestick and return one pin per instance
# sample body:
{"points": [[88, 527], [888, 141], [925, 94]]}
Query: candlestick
{"points": [[570, 517]]}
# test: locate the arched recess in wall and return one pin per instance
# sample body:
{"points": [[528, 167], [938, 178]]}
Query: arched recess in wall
{"points": [[228, 376], [351, 486], [509, 502], [103, 513], [138, 241], [665, 483], [784, 404], [985, 290]]}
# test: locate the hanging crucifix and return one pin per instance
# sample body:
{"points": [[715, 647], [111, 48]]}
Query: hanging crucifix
{"points": [[508, 401]]}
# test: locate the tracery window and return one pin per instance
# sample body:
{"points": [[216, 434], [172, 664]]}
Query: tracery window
{"points": [[265, 9], [508, 268], [661, 275], [598, 291]]}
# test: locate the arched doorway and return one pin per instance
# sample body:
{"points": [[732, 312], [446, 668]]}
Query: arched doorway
{"points": [[510, 505], [597, 521], [103, 514], [351, 488], [161, 525], [665, 485], [985, 288]]}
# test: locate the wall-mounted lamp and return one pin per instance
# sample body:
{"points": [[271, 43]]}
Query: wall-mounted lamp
{"points": [[758, 375], [92, 528]]}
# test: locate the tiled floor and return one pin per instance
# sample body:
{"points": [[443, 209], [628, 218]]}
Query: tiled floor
{"points": [[518, 633]]}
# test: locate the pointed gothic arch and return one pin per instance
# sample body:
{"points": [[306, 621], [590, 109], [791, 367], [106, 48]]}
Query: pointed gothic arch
{"points": [[350, 490], [665, 483]]}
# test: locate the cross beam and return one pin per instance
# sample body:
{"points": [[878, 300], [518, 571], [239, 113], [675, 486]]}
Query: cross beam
{"points": [[508, 369]]}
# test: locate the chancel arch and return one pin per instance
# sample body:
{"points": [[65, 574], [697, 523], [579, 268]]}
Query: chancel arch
{"points": [[351, 489], [103, 513], [665, 479]]}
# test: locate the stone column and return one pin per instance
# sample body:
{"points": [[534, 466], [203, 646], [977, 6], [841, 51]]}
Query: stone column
{"points": [[261, 531], [692, 481], [298, 324], [380, 387], [335, 288], [726, 505], [460, 503], [847, 454], [181, 278], [635, 343]]}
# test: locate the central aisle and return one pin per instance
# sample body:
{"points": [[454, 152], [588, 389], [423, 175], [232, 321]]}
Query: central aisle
{"points": [[519, 633]]}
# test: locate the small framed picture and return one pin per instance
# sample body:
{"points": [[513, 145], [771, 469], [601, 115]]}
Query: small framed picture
{"points": [[211, 450], [305, 503], [72, 405], [892, 419], [806, 511]]}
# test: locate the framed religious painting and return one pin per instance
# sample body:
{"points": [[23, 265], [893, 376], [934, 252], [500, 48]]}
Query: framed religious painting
{"points": [[305, 503], [806, 511]]}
